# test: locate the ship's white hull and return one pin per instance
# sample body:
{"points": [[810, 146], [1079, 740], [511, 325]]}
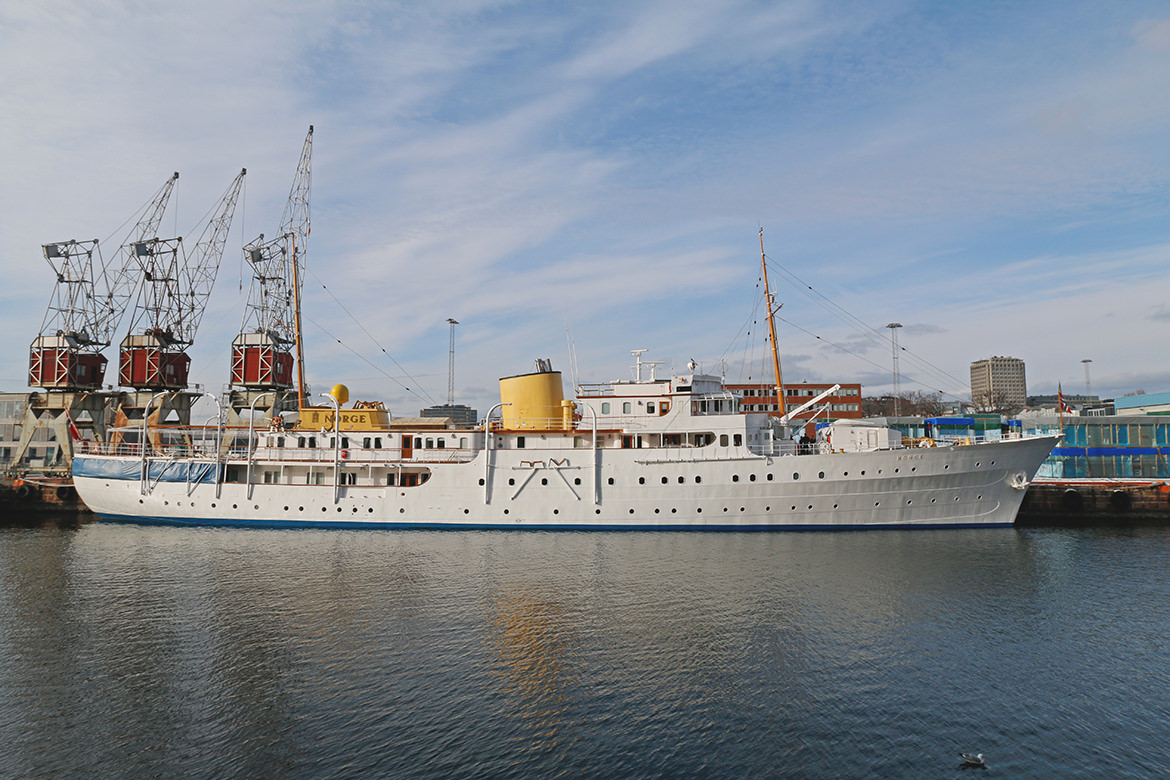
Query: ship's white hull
{"points": [[960, 486]]}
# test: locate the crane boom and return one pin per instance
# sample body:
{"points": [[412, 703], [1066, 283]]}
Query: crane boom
{"points": [[172, 298]]}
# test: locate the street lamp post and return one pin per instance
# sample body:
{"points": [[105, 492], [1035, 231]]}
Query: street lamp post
{"points": [[1088, 385]]}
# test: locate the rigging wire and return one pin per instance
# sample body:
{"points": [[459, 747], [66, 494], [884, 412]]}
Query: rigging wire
{"points": [[874, 335], [372, 339], [373, 365]]}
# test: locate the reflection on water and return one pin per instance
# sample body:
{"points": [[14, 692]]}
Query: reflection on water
{"points": [[167, 652]]}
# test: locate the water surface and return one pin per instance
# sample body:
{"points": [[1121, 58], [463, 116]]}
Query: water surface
{"points": [[136, 651]]}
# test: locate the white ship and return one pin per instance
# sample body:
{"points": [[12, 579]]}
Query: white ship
{"points": [[649, 453]]}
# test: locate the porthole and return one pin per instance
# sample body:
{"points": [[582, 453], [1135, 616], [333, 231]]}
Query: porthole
{"points": [[698, 480], [300, 509], [140, 501], [735, 477], [511, 481], [631, 511], [609, 481], [810, 506], [877, 503], [657, 510], [699, 510], [956, 498], [673, 510], [166, 503], [979, 498], [742, 509], [665, 480], [371, 510], [767, 509], [255, 506], [212, 504], [992, 463], [465, 511], [641, 480], [879, 471], [597, 511], [794, 507], [724, 509], [913, 468], [795, 475], [834, 506], [682, 480], [769, 476], [946, 466], [286, 509], [821, 475], [863, 472], [909, 501], [234, 506], [577, 481], [402, 510], [355, 510], [896, 470], [976, 464], [339, 510], [544, 480], [505, 511], [556, 511], [845, 474], [932, 500], [481, 482], [324, 509], [751, 477]]}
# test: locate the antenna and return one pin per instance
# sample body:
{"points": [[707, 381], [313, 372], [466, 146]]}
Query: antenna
{"points": [[893, 326]]}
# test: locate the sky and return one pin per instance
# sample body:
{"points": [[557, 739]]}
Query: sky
{"points": [[574, 181]]}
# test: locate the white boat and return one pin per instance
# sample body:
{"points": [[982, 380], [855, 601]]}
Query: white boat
{"points": [[649, 453]]}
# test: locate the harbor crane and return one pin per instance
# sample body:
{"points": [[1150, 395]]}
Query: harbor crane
{"points": [[263, 352], [66, 360]]}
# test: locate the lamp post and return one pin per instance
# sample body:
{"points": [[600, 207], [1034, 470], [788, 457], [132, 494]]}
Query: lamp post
{"points": [[1088, 385], [336, 446], [251, 450], [893, 326]]}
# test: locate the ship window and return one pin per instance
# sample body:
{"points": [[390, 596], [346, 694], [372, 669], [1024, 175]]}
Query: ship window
{"points": [[345, 442], [610, 481], [664, 407], [735, 477], [441, 444], [605, 407], [641, 480], [366, 442], [738, 439], [627, 408], [300, 441], [378, 443], [349, 479], [511, 481], [723, 440], [430, 443], [650, 408], [519, 442], [463, 442], [279, 441], [390, 480]]}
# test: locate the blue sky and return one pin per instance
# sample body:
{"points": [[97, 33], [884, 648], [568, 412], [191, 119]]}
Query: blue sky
{"points": [[992, 175]]}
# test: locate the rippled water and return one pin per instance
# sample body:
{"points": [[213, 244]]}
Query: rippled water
{"points": [[130, 651]]}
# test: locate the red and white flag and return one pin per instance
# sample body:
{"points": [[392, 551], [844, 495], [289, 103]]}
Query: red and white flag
{"points": [[73, 432]]}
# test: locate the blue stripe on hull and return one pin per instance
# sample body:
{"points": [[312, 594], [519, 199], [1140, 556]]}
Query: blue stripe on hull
{"points": [[427, 526]]}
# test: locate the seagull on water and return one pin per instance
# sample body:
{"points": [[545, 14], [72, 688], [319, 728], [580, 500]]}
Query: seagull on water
{"points": [[973, 759]]}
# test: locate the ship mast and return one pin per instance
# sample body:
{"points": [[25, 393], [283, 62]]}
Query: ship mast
{"points": [[769, 304]]}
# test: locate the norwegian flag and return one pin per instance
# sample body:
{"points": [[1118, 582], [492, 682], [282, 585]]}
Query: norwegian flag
{"points": [[1064, 408], [73, 432]]}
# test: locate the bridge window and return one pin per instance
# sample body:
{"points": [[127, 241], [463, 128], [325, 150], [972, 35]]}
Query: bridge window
{"points": [[627, 407], [650, 408]]}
